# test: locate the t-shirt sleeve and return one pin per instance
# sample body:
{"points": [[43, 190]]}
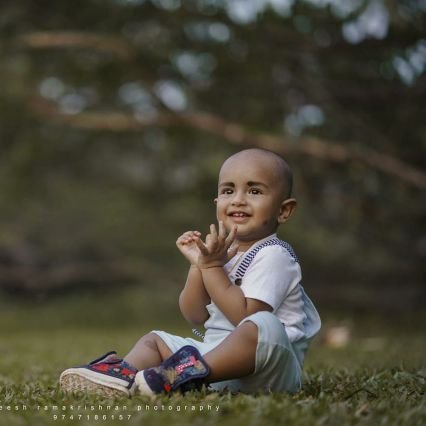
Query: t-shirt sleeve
{"points": [[271, 276]]}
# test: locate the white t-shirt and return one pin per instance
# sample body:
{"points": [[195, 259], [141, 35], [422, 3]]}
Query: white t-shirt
{"points": [[273, 276]]}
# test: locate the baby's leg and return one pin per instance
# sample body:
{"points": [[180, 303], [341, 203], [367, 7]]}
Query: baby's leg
{"points": [[236, 356], [233, 358], [149, 351], [111, 376]]}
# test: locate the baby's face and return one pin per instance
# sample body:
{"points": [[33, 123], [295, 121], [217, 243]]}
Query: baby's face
{"points": [[250, 195]]}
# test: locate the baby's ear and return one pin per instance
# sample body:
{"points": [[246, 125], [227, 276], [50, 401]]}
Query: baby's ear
{"points": [[286, 210], [215, 200]]}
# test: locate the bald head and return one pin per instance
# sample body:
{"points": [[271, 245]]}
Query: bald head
{"points": [[271, 162]]}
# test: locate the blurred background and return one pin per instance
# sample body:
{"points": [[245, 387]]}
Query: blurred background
{"points": [[117, 114]]}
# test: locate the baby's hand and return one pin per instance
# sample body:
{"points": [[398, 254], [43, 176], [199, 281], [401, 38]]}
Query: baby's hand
{"points": [[187, 245], [218, 248]]}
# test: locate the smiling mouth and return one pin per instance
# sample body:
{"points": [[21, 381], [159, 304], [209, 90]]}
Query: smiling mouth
{"points": [[239, 214]]}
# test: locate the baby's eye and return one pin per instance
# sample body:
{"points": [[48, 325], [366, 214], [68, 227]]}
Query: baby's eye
{"points": [[255, 191], [227, 191]]}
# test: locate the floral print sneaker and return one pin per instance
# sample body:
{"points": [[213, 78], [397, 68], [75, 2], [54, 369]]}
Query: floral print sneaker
{"points": [[185, 370], [108, 376]]}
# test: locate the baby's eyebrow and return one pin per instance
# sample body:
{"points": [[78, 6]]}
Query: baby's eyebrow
{"points": [[249, 183]]}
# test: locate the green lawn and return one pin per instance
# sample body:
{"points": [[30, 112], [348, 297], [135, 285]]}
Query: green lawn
{"points": [[378, 378]]}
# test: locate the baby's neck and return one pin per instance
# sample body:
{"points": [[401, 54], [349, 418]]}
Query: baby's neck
{"points": [[244, 245]]}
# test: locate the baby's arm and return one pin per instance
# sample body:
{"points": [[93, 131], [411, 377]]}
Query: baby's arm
{"points": [[193, 298], [228, 297]]}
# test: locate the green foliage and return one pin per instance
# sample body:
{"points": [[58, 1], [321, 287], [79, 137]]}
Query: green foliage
{"points": [[72, 192]]}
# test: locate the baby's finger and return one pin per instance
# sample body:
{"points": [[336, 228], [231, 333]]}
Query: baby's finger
{"points": [[203, 249], [180, 240], [222, 231], [188, 237], [184, 240], [209, 239], [213, 231], [193, 235], [232, 251], [231, 236], [185, 235]]}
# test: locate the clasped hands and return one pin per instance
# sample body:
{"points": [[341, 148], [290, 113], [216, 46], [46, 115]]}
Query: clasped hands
{"points": [[215, 251]]}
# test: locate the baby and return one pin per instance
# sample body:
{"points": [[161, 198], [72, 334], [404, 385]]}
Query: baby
{"points": [[243, 284]]}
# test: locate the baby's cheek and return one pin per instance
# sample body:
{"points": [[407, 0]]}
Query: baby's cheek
{"points": [[269, 223]]}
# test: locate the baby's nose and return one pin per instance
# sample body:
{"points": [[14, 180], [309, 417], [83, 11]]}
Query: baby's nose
{"points": [[239, 198]]}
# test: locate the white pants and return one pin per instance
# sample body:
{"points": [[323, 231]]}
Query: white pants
{"points": [[278, 361]]}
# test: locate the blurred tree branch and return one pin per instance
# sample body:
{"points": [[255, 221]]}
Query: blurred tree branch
{"points": [[83, 40], [236, 134], [32, 278]]}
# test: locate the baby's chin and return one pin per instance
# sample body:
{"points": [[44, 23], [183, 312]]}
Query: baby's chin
{"points": [[242, 237], [253, 236]]}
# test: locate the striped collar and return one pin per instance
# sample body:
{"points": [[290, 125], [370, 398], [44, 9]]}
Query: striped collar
{"points": [[251, 253]]}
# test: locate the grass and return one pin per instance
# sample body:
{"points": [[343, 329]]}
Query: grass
{"points": [[378, 378]]}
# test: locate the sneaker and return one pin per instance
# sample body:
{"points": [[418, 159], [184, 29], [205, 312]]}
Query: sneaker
{"points": [[183, 371], [108, 376]]}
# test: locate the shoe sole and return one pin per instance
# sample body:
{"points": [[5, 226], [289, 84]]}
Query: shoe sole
{"points": [[75, 383]]}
